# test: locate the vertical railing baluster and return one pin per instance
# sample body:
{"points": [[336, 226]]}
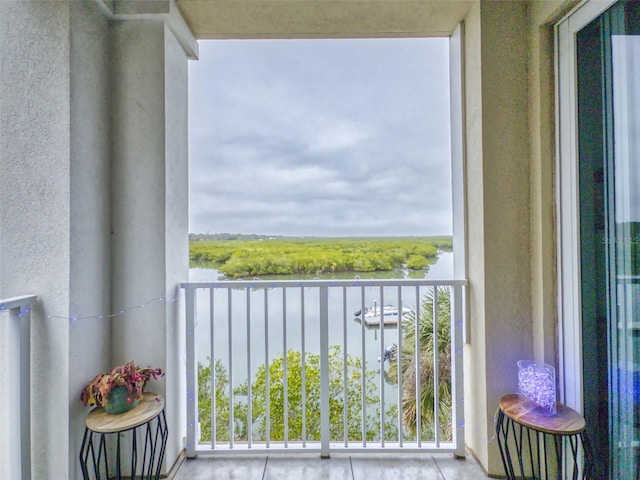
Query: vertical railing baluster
{"points": [[267, 386], [417, 359], [399, 364], [191, 371], [368, 427], [457, 326], [324, 372], [303, 371], [285, 379], [381, 365], [436, 369], [212, 365], [25, 391], [249, 391], [345, 401], [230, 346], [363, 366]]}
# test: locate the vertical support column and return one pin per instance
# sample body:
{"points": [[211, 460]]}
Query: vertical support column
{"points": [[150, 200], [495, 74], [324, 372], [139, 208]]}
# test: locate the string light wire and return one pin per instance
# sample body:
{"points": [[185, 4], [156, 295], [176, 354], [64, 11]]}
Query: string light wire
{"points": [[119, 313]]}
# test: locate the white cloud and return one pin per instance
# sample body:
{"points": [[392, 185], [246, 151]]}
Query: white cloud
{"points": [[320, 137]]}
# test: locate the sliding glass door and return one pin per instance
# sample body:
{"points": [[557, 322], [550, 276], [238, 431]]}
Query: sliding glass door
{"points": [[607, 88]]}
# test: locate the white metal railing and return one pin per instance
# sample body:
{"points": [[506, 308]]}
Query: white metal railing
{"points": [[15, 405], [264, 348]]}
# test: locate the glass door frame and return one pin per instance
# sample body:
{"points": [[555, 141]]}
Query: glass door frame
{"points": [[569, 299]]}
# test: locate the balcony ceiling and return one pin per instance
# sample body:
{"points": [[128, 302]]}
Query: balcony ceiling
{"points": [[216, 19]]}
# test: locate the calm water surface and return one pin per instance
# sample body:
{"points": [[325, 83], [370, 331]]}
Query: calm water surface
{"points": [[267, 338]]}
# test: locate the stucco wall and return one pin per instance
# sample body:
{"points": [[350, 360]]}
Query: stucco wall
{"points": [[498, 214], [56, 200], [138, 190], [54, 220], [86, 160], [90, 254], [149, 202], [35, 205]]}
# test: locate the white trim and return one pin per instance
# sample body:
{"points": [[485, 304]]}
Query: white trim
{"points": [[585, 12], [163, 10], [567, 198], [459, 187]]}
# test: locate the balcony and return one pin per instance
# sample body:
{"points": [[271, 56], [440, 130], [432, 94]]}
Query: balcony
{"points": [[339, 467], [353, 343]]}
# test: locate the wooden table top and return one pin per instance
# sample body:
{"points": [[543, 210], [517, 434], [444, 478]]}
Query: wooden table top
{"points": [[522, 410], [150, 406]]}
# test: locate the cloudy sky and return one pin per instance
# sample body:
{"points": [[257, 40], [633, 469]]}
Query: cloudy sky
{"points": [[320, 137]]}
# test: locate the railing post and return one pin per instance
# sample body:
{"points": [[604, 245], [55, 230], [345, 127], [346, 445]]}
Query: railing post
{"points": [[457, 390], [436, 368], [24, 317], [324, 372], [192, 372], [17, 345]]}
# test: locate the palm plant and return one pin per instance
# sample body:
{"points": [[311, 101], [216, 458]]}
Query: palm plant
{"points": [[422, 365]]}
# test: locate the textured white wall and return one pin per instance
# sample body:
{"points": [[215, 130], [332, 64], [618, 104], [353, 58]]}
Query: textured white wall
{"points": [[54, 218], [35, 205], [90, 258], [138, 190], [150, 229], [55, 204], [498, 215], [88, 176]]}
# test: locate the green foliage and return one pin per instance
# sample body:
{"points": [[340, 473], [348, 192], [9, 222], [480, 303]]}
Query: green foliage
{"points": [[222, 401], [424, 366], [279, 256], [416, 262], [298, 428]]}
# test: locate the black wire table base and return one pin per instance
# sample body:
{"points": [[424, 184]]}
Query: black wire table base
{"points": [[531, 453], [102, 456]]}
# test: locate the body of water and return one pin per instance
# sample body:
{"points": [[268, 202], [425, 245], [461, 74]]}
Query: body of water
{"points": [[253, 327]]}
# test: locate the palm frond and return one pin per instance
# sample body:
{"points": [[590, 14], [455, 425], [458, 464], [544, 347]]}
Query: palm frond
{"points": [[422, 364]]}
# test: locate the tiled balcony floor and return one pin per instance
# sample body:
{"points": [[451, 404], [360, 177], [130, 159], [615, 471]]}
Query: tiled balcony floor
{"points": [[339, 467]]}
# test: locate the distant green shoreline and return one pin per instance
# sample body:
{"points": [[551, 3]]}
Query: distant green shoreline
{"points": [[254, 255]]}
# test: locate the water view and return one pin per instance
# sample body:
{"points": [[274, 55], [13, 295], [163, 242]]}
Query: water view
{"points": [[298, 310]]}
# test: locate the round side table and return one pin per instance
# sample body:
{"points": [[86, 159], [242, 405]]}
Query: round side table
{"points": [[139, 435], [533, 445]]}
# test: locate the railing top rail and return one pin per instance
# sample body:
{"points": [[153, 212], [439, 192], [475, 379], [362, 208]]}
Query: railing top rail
{"points": [[17, 302], [362, 282], [628, 278]]}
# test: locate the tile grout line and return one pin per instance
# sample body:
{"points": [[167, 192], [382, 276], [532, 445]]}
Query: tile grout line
{"points": [[438, 467]]}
